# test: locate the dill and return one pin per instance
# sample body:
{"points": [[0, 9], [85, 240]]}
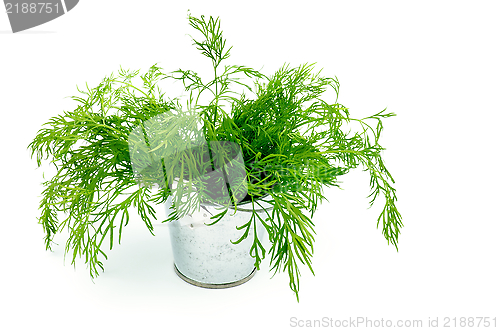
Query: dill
{"points": [[293, 142]]}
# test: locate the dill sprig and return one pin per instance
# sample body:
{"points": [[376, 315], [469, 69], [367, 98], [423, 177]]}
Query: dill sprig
{"points": [[294, 143]]}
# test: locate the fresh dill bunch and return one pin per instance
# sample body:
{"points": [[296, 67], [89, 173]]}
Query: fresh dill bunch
{"points": [[293, 143]]}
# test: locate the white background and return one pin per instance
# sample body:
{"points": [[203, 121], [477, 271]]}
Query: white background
{"points": [[434, 63]]}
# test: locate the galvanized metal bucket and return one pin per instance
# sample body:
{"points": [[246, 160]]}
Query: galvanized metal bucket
{"points": [[204, 255]]}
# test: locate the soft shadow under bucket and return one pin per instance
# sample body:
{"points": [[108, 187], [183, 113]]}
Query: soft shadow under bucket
{"points": [[205, 285]]}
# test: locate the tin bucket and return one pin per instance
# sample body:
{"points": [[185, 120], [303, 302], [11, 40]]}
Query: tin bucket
{"points": [[204, 254]]}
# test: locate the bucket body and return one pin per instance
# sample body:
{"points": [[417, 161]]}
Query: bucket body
{"points": [[204, 254]]}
